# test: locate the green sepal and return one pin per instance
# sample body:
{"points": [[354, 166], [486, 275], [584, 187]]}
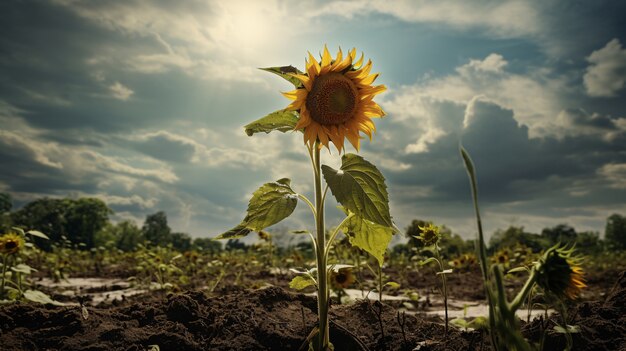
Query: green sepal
{"points": [[369, 236], [281, 120], [270, 204], [284, 71], [360, 188]]}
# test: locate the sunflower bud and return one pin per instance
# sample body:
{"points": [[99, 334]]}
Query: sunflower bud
{"points": [[559, 273], [11, 243], [429, 234]]}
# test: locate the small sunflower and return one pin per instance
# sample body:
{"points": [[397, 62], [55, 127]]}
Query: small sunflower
{"points": [[11, 243], [335, 100], [429, 234], [342, 279], [265, 236], [560, 273]]}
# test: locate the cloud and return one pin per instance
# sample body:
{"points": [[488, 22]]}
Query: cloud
{"points": [[606, 74], [615, 173], [435, 105], [506, 18], [121, 92]]}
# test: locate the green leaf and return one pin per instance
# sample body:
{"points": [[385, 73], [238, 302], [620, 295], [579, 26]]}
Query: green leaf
{"points": [[283, 72], [427, 261], [301, 281], [270, 204], [38, 296], [360, 188], [281, 120], [369, 236], [300, 232], [23, 268], [392, 285], [238, 232], [572, 329], [38, 234]]}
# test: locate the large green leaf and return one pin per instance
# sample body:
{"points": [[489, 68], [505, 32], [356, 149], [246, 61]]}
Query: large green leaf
{"points": [[283, 72], [369, 236], [360, 188], [282, 121], [270, 204]]}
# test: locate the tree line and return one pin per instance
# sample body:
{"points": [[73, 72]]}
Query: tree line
{"points": [[85, 223]]}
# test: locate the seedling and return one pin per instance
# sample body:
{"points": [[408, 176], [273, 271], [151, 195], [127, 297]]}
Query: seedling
{"points": [[430, 237]]}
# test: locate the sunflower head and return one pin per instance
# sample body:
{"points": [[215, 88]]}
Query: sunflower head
{"points": [[429, 234], [11, 243], [342, 278], [560, 273], [265, 236], [335, 99]]}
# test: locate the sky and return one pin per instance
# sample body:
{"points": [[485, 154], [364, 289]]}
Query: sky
{"points": [[142, 104]]}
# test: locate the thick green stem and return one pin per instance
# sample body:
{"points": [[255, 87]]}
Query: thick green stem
{"points": [[322, 279], [517, 302]]}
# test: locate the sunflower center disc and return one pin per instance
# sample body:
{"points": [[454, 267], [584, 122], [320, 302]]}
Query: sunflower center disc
{"points": [[333, 99]]}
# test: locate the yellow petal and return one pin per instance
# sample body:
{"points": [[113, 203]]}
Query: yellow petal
{"points": [[372, 90], [313, 67], [295, 94], [326, 58], [305, 80], [358, 64], [367, 81], [354, 139]]}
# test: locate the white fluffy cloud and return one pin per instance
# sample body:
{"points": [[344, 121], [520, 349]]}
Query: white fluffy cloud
{"points": [[120, 91], [606, 74]]}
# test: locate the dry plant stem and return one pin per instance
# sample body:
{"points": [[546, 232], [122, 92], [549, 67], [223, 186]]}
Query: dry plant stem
{"points": [[482, 250], [322, 279]]}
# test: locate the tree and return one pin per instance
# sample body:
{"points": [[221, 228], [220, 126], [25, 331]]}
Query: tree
{"points": [[615, 231], [124, 235], [84, 218], [6, 203], [46, 215], [181, 241], [516, 235], [129, 235], [562, 233], [156, 230], [207, 244]]}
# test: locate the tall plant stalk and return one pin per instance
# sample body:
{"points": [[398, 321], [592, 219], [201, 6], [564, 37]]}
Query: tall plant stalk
{"points": [[320, 242]]}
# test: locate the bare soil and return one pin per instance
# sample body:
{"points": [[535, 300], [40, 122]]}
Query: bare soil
{"points": [[273, 318]]}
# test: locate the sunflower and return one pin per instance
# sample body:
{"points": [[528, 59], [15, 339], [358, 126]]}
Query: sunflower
{"points": [[429, 234], [560, 273], [342, 279], [335, 100], [11, 243]]}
